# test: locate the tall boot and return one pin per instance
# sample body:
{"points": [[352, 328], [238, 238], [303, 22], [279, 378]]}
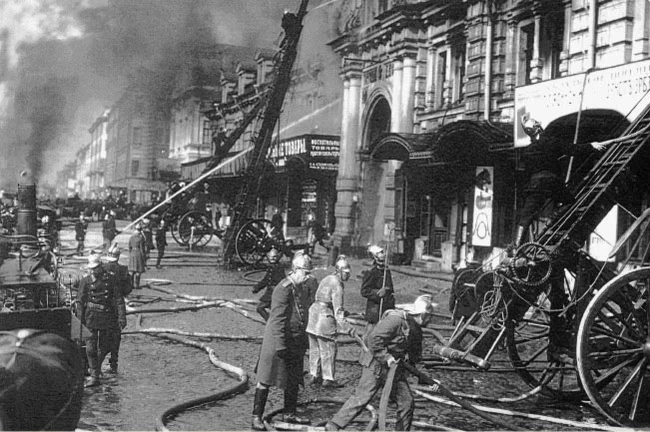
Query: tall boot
{"points": [[93, 365], [261, 394], [291, 405]]}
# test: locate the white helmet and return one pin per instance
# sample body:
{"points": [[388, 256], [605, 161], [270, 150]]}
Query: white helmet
{"points": [[301, 261], [93, 261], [113, 253], [374, 251], [342, 264], [342, 267], [422, 305]]}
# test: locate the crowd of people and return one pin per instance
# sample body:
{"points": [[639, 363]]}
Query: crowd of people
{"points": [[304, 316]]}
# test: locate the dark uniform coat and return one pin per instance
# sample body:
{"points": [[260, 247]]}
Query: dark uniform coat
{"points": [[101, 306], [373, 281], [80, 228], [121, 275], [137, 253], [109, 230], [271, 279], [285, 330]]}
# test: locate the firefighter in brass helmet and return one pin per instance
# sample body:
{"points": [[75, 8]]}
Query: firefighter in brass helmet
{"points": [[542, 161], [326, 319], [285, 342], [377, 286], [102, 310]]}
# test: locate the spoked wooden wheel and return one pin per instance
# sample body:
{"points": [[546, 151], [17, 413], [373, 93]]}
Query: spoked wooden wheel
{"points": [[175, 234], [195, 228], [614, 351], [255, 239], [527, 341]]}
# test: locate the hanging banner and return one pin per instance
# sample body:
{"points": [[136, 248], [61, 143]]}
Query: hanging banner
{"points": [[483, 204], [624, 88]]}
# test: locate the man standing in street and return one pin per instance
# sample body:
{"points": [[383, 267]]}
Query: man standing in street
{"points": [[109, 231], [80, 228], [161, 242], [396, 338], [377, 287], [137, 256], [325, 315], [102, 310], [123, 286], [285, 341], [271, 279]]}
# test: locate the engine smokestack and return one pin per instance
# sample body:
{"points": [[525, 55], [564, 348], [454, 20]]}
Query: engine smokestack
{"points": [[26, 214]]}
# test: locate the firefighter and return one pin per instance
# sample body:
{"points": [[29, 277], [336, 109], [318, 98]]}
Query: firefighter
{"points": [[102, 310], [325, 315], [542, 160], [377, 287], [285, 341], [273, 276], [124, 286], [80, 228], [109, 231], [396, 338], [161, 242], [137, 256]]}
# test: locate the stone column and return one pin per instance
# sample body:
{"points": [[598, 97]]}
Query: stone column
{"points": [[536, 63], [408, 93], [510, 80], [431, 75], [396, 96], [348, 174]]}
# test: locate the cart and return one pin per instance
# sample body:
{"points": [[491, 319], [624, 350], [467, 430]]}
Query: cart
{"points": [[571, 325], [257, 237]]}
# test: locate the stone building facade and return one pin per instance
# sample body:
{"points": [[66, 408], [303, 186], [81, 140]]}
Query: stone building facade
{"points": [[434, 92]]}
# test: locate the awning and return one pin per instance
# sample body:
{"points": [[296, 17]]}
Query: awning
{"points": [[464, 141], [403, 147], [470, 142]]}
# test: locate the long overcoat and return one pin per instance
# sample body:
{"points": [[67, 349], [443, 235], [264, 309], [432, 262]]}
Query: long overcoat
{"points": [[137, 253], [373, 281], [285, 329], [327, 310]]}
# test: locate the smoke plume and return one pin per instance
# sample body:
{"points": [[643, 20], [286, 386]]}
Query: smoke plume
{"points": [[63, 62]]}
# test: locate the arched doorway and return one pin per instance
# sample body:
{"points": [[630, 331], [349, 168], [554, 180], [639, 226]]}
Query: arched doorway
{"points": [[370, 221]]}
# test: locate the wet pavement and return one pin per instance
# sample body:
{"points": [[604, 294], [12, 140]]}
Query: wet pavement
{"points": [[155, 373]]}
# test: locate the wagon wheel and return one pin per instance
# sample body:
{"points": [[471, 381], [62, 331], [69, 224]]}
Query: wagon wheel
{"points": [[175, 234], [614, 351], [527, 341], [255, 239], [531, 265], [195, 227], [462, 302]]}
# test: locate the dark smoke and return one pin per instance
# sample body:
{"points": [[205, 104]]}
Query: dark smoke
{"points": [[60, 87], [41, 105]]}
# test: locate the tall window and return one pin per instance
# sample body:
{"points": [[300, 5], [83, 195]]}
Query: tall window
{"points": [[382, 6], [135, 167], [526, 49], [441, 77], [459, 73], [137, 136], [207, 135]]}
